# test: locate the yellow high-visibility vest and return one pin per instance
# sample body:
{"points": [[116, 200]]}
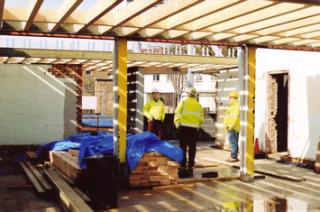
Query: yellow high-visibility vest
{"points": [[232, 116], [189, 113], [154, 110]]}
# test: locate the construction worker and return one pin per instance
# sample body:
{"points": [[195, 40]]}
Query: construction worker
{"points": [[154, 111], [232, 124], [187, 118]]}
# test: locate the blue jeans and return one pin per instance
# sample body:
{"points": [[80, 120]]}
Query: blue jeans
{"points": [[233, 142]]}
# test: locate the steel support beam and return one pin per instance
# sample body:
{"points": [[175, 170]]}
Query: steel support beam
{"points": [[246, 62], [120, 98]]}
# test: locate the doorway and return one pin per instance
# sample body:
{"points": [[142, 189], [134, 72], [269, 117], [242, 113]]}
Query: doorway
{"points": [[277, 112]]}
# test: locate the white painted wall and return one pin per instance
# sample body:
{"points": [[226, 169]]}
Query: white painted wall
{"points": [[304, 101], [207, 84], [35, 107], [163, 85]]}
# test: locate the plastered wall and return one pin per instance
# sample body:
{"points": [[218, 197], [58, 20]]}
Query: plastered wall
{"points": [[35, 107], [304, 98]]}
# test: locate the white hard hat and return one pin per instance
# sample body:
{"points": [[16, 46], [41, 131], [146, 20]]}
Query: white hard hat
{"points": [[191, 90], [154, 90]]}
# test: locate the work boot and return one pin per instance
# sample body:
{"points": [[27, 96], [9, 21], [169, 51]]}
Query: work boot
{"points": [[190, 172], [231, 159], [183, 172]]}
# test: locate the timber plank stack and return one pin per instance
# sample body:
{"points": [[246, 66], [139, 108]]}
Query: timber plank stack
{"points": [[154, 169], [67, 163], [35, 177]]}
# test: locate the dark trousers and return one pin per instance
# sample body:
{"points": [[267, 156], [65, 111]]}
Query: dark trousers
{"points": [[233, 137], [188, 139], [155, 127]]}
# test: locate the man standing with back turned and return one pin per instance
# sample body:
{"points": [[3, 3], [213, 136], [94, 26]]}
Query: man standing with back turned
{"points": [[154, 111], [187, 118], [232, 124]]}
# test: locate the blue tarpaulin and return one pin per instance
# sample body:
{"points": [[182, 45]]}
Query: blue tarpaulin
{"points": [[93, 123], [102, 144], [92, 115]]}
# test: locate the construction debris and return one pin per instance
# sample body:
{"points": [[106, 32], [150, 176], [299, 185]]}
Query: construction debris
{"points": [[280, 175], [209, 174], [154, 169]]}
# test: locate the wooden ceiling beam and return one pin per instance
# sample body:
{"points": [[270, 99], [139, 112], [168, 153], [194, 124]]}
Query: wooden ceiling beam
{"points": [[65, 10], [33, 9], [288, 26], [198, 11], [254, 17], [289, 21], [129, 12], [303, 15], [224, 15], [300, 30], [229, 13], [98, 10], [160, 13], [304, 42]]}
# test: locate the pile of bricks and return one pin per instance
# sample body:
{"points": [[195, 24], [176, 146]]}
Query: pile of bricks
{"points": [[154, 169]]}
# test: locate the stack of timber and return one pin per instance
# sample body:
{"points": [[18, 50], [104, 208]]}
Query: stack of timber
{"points": [[72, 199], [154, 169], [67, 163], [35, 176]]}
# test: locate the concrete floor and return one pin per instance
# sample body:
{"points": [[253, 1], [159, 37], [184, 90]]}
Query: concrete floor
{"points": [[269, 194], [16, 193]]}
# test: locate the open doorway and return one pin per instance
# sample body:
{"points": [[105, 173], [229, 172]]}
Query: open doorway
{"points": [[277, 112]]}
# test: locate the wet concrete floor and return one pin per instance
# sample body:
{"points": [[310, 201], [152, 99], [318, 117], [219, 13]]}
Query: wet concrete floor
{"points": [[269, 194]]}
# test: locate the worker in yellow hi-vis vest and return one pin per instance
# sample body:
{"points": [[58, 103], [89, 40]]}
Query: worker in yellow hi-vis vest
{"points": [[232, 124], [188, 118], [154, 111]]}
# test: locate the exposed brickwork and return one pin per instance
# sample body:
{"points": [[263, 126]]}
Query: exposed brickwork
{"points": [[73, 71], [277, 110]]}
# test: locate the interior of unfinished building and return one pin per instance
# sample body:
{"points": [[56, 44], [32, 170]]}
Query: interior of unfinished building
{"points": [[76, 76]]}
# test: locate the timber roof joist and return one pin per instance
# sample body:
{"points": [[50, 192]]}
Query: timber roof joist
{"points": [[292, 23]]}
